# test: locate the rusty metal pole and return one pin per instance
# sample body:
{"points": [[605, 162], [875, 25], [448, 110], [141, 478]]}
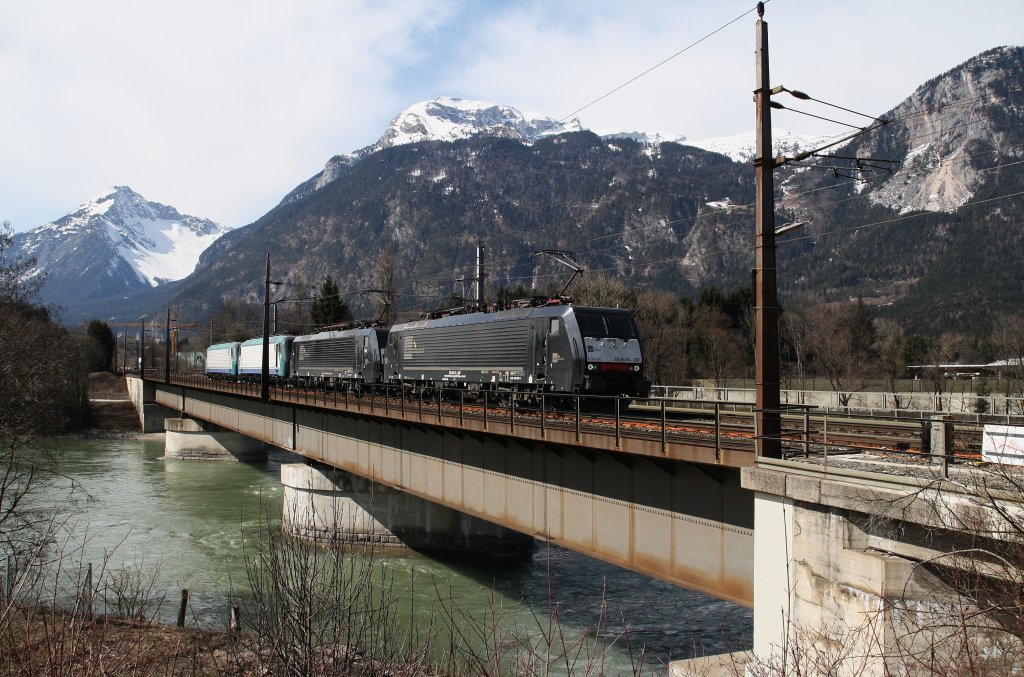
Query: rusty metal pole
{"points": [[265, 371], [142, 351], [167, 348], [766, 352]]}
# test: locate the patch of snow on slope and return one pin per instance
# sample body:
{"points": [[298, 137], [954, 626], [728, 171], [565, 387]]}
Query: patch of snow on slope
{"points": [[165, 250]]}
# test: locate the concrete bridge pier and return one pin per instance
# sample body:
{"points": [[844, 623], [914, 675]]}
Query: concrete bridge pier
{"points": [[321, 502], [189, 439]]}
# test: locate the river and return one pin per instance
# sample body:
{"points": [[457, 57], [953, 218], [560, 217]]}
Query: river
{"points": [[182, 523]]}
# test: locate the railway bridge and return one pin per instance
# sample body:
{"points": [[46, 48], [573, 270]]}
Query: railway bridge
{"points": [[648, 492], [669, 493]]}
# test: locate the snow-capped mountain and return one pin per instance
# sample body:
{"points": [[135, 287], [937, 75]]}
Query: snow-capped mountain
{"points": [[741, 147], [445, 118], [647, 138], [450, 119], [115, 244]]}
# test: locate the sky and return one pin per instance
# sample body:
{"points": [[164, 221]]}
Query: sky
{"points": [[221, 108]]}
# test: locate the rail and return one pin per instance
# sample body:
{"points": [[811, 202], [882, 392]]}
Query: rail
{"points": [[698, 430]]}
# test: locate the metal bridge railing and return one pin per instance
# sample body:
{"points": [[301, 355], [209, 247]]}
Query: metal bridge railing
{"points": [[655, 426]]}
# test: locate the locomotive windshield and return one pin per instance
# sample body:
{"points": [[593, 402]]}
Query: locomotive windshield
{"points": [[597, 325]]}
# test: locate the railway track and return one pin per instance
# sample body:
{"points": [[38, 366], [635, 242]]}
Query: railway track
{"points": [[802, 433]]}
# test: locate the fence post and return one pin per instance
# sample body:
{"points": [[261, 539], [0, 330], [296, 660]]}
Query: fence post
{"points": [[618, 432], [718, 430], [664, 430], [577, 417], [543, 417], [807, 433], [941, 442], [182, 607]]}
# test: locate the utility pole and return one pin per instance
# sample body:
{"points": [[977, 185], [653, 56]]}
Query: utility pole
{"points": [[265, 373], [142, 352], [766, 351], [167, 348], [481, 306]]}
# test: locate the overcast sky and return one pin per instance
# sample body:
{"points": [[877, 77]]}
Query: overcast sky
{"points": [[219, 108]]}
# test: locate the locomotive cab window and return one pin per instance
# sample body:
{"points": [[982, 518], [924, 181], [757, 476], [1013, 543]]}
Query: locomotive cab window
{"points": [[555, 323], [606, 326]]}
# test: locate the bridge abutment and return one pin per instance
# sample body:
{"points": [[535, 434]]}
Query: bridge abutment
{"points": [[325, 503], [151, 414], [857, 573]]}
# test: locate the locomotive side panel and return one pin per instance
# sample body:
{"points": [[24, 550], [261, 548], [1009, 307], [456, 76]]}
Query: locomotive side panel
{"points": [[332, 357], [352, 355], [495, 352]]}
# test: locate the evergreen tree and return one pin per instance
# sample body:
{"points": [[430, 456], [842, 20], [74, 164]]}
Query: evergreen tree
{"points": [[328, 307], [101, 345]]}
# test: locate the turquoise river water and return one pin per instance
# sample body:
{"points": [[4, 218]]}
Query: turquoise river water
{"points": [[182, 522]]}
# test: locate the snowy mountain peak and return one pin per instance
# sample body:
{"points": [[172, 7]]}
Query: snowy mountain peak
{"points": [[742, 147], [449, 119], [131, 240]]}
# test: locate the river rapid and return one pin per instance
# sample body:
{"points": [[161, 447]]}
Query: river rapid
{"points": [[182, 524]]}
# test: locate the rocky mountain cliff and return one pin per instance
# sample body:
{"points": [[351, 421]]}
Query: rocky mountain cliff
{"points": [[929, 224], [618, 203]]}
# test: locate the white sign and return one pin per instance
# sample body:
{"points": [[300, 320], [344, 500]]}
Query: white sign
{"points": [[1003, 444]]}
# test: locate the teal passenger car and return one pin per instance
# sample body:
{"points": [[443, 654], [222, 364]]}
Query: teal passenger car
{"points": [[250, 358]]}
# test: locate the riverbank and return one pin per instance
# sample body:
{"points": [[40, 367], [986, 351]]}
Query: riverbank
{"points": [[37, 640], [42, 641], [110, 410]]}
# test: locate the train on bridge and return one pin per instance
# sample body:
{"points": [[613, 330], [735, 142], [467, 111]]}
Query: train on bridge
{"points": [[546, 349]]}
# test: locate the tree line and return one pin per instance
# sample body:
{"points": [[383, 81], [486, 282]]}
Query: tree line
{"points": [[712, 336]]}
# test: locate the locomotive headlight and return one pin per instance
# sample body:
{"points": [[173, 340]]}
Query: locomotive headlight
{"points": [[591, 367], [636, 367]]}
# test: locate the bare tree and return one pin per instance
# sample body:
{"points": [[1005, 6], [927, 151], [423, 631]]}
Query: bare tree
{"points": [[719, 347], [236, 320], [794, 329], [664, 325], [1008, 340], [605, 292], [889, 346], [833, 343], [944, 350], [384, 280]]}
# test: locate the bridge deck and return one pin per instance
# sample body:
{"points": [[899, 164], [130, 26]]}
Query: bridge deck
{"points": [[656, 431], [640, 501]]}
